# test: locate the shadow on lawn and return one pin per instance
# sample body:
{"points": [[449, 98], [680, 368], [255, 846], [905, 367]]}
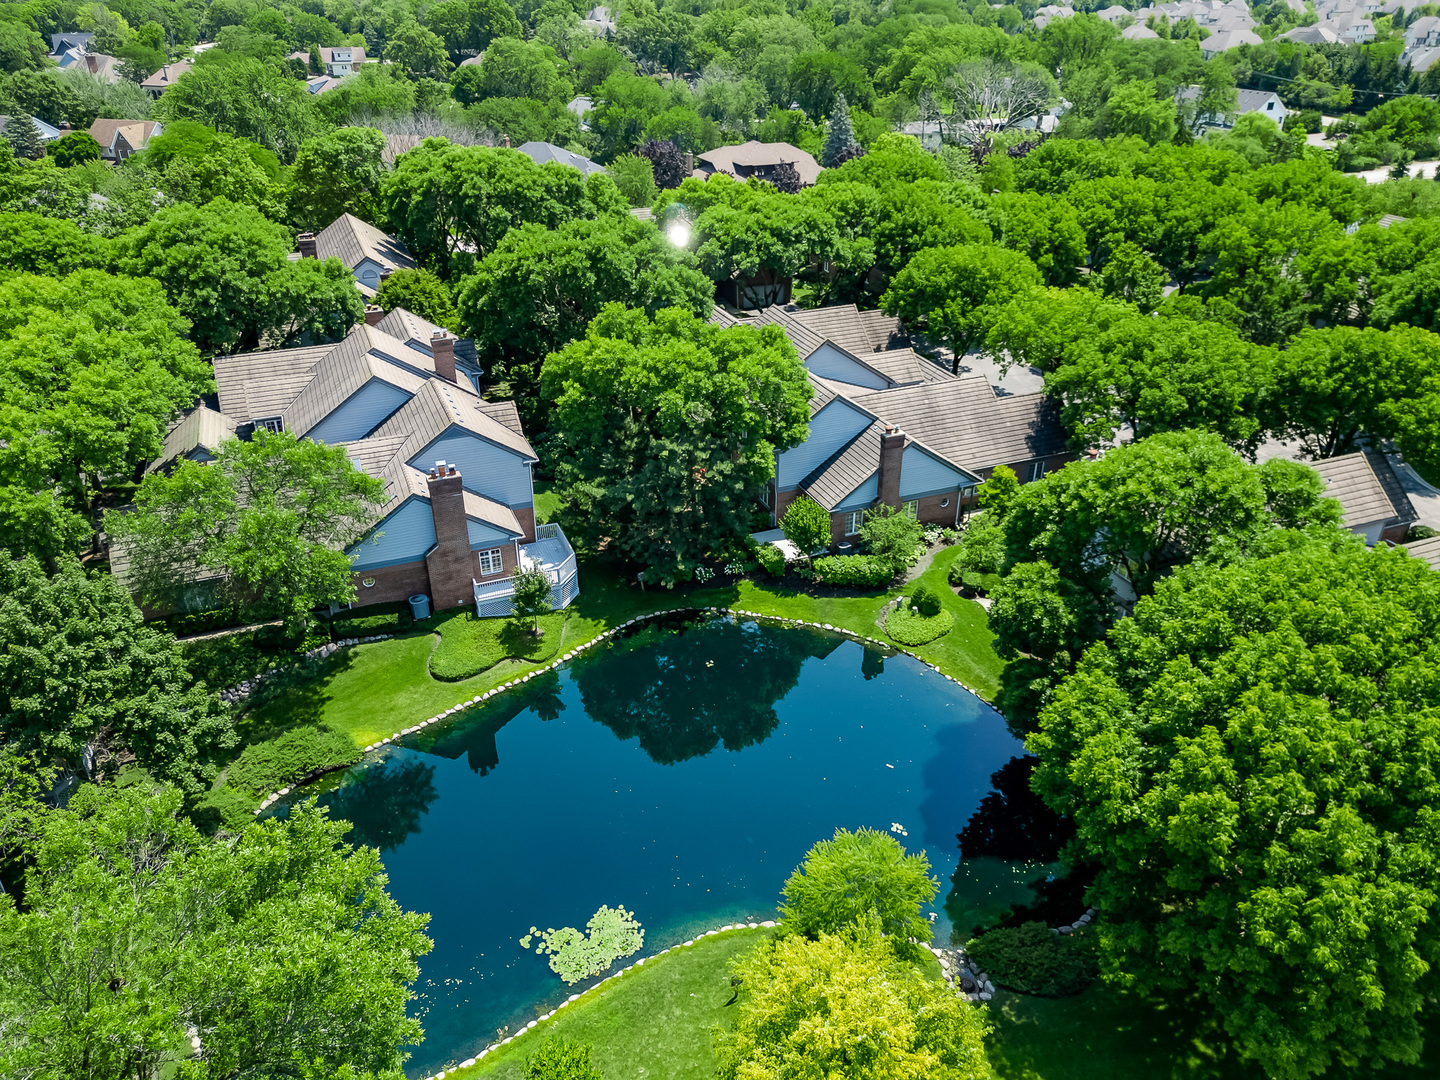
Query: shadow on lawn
{"points": [[293, 697]]}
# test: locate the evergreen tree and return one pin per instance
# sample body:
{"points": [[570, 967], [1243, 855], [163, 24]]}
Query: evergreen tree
{"points": [[24, 139], [316, 67], [841, 137]]}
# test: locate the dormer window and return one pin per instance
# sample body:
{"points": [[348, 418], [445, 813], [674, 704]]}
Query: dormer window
{"points": [[273, 424]]}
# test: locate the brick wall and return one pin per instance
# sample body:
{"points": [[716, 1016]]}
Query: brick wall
{"points": [[393, 583], [451, 563], [527, 522]]}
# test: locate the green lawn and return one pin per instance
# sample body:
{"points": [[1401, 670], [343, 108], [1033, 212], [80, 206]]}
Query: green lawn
{"points": [[373, 691], [655, 1021]]}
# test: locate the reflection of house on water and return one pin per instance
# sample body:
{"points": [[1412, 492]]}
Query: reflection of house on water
{"points": [[679, 694]]}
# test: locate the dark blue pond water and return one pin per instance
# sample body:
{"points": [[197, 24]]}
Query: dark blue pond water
{"points": [[681, 774]]}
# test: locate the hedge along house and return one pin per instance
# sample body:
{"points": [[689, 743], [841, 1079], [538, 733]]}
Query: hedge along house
{"points": [[459, 515], [888, 426]]}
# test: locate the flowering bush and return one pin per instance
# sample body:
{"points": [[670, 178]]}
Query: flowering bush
{"points": [[734, 566], [703, 574]]}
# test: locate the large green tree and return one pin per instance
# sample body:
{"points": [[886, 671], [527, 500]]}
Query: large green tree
{"points": [[145, 949], [666, 428], [269, 519], [245, 97], [1251, 762], [540, 287], [955, 292], [93, 369], [225, 267], [453, 204], [336, 174], [468, 26], [82, 680]]}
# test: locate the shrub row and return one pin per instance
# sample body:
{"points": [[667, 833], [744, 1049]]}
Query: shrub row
{"points": [[268, 766], [858, 571]]}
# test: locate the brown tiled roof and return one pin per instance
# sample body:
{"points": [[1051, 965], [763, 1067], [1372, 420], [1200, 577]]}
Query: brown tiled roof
{"points": [[352, 241], [721, 318], [1366, 488], [821, 394], [752, 155], [262, 384], [805, 340], [963, 421], [904, 367], [857, 332], [1429, 550], [167, 75], [438, 407], [137, 132], [505, 412], [343, 371], [406, 326], [201, 427], [846, 469]]}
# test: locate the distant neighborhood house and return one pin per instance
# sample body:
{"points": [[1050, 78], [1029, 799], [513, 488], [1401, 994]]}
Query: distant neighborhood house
{"points": [[337, 60], [119, 139], [166, 77], [756, 159], [47, 132], [1371, 495], [1265, 102]]}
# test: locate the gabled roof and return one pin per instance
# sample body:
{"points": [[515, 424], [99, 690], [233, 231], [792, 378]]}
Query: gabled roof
{"points": [[254, 386], [805, 340], [406, 326], [352, 241], [136, 132], [1367, 489], [167, 76], [439, 406], [857, 332], [842, 472], [492, 513], [964, 422], [1429, 550], [343, 371], [904, 367], [202, 428], [541, 152]]}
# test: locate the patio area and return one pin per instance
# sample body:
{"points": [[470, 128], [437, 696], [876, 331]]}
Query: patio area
{"points": [[551, 552]]}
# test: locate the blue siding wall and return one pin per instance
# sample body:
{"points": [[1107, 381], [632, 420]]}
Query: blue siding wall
{"points": [[922, 474], [830, 363], [368, 273], [485, 468], [406, 535], [485, 536], [830, 429], [864, 495], [361, 413]]}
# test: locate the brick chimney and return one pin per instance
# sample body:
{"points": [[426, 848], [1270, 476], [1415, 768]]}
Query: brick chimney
{"points": [[385, 272], [451, 564], [892, 451], [305, 244], [373, 314], [442, 348]]}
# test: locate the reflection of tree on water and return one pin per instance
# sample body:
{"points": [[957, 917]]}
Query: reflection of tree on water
{"points": [[1002, 850], [872, 664], [477, 740], [385, 801], [684, 693]]}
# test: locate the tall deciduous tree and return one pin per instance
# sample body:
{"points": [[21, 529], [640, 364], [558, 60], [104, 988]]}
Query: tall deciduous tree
{"points": [[81, 676], [668, 427], [541, 287], [225, 268], [421, 292], [277, 950], [1251, 761], [468, 26], [336, 174], [244, 97], [93, 369], [269, 518], [956, 292]]}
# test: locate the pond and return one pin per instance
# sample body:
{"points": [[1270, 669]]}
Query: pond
{"points": [[683, 772]]}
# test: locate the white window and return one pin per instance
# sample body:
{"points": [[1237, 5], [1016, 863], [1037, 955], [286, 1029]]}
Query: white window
{"points": [[912, 509], [852, 521], [272, 424], [967, 493], [490, 562], [1037, 470]]}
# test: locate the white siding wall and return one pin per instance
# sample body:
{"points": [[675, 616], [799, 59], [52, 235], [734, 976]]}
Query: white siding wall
{"points": [[830, 363], [486, 536], [922, 474], [831, 428], [485, 468], [406, 535], [361, 413], [864, 495]]}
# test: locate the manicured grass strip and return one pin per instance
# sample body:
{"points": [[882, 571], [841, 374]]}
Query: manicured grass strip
{"points": [[655, 1020]]}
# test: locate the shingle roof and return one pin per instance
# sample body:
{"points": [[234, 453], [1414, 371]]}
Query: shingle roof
{"points": [[541, 152], [753, 155], [805, 340], [721, 318], [963, 421], [256, 385], [855, 331], [406, 326], [904, 367], [137, 132], [343, 371], [438, 407], [167, 76], [201, 428], [352, 241], [492, 513], [845, 470], [1366, 488], [1429, 550], [505, 412]]}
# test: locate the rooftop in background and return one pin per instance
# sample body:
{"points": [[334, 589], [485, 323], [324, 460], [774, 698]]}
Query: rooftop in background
{"points": [[370, 253], [1370, 493], [541, 152], [757, 159], [166, 77]]}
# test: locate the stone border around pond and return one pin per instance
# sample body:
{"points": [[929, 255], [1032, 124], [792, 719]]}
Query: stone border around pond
{"points": [[768, 924], [600, 639]]}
